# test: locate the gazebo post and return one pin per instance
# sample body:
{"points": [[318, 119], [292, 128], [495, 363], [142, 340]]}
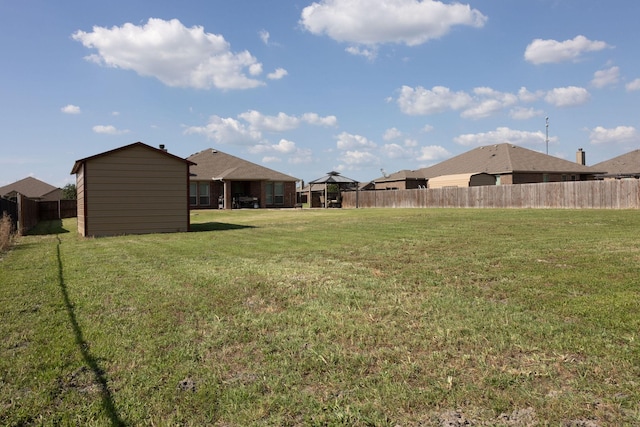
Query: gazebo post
{"points": [[325, 196]]}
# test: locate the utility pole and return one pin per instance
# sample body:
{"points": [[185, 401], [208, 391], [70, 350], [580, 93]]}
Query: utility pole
{"points": [[547, 139]]}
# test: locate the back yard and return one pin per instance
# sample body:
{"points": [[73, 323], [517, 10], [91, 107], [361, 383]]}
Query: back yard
{"points": [[328, 317]]}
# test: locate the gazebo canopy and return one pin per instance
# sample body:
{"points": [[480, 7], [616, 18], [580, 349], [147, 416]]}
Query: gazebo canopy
{"points": [[333, 178]]}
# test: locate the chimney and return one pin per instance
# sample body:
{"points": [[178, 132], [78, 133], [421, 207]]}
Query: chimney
{"points": [[162, 148], [581, 158]]}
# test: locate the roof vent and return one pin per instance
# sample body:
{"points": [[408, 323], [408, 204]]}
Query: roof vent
{"points": [[214, 151]]}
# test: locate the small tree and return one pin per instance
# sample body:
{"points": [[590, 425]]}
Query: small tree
{"points": [[69, 192]]}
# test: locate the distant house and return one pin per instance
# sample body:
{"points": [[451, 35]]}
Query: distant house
{"points": [[508, 164], [135, 189], [512, 164], [33, 189], [220, 180], [401, 180], [624, 166]]}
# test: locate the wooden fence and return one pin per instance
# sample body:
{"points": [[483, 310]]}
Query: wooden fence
{"points": [[607, 194], [25, 213], [57, 209]]}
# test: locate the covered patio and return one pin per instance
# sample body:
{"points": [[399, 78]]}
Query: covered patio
{"points": [[325, 192]]}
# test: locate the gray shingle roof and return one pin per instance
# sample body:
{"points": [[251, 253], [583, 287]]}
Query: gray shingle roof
{"points": [[402, 175], [504, 158], [214, 164], [30, 187], [626, 164]]}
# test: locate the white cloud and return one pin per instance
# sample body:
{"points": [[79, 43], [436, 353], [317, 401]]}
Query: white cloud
{"points": [[109, 130], [365, 22], [570, 96], [315, 119], [174, 54], [284, 122], [427, 128], [489, 102], [551, 51], [355, 159], [620, 134], [526, 96], [347, 141], [522, 113], [433, 152], [607, 77], [391, 134], [634, 85], [264, 36], [369, 53], [484, 101], [277, 74], [421, 101], [71, 109], [410, 142], [285, 147], [280, 123], [397, 151], [226, 131], [501, 135]]}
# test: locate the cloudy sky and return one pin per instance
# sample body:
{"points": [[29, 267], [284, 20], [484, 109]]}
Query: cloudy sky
{"points": [[306, 87]]}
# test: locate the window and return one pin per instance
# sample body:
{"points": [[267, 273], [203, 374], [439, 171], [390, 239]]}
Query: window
{"points": [[275, 193], [203, 194], [193, 191], [278, 193]]}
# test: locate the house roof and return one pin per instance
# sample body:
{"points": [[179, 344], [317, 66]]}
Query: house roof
{"points": [[504, 158], [79, 163], [216, 165], [626, 164], [29, 187], [403, 175]]}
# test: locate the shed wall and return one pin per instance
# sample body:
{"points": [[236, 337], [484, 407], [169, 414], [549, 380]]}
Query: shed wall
{"points": [[135, 191]]}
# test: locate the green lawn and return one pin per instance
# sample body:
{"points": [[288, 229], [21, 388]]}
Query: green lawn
{"points": [[378, 317]]}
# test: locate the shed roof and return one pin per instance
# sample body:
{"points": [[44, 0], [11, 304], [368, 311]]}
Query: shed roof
{"points": [[505, 158], [30, 187], [213, 164], [625, 164], [79, 163]]}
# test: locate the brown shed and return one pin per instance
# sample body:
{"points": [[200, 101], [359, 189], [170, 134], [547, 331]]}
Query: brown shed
{"points": [[135, 189]]}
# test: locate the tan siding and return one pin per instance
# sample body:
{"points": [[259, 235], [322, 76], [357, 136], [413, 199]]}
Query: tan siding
{"points": [[136, 190]]}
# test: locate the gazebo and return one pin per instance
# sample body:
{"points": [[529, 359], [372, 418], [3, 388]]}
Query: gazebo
{"points": [[342, 182]]}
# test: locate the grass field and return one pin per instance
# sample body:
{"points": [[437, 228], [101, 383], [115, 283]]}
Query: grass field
{"points": [[328, 317]]}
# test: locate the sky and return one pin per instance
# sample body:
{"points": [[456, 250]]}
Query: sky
{"points": [[362, 87]]}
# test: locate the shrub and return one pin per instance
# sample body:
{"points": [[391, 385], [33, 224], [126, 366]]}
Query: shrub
{"points": [[6, 232]]}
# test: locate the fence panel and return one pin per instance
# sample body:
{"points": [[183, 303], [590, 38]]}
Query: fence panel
{"points": [[27, 213], [48, 210], [607, 194]]}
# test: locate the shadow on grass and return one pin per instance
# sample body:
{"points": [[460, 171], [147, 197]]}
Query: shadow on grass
{"points": [[43, 228], [217, 226], [83, 345]]}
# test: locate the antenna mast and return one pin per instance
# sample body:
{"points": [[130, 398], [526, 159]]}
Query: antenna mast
{"points": [[547, 138]]}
